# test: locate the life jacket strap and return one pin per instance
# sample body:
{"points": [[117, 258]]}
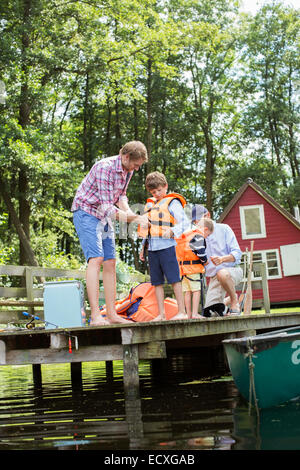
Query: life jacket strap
{"points": [[194, 261], [161, 223]]}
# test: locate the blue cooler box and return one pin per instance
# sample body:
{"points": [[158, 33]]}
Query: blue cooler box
{"points": [[64, 304]]}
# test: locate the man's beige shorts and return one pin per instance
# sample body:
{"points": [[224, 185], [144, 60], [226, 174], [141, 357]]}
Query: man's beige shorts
{"points": [[192, 284], [215, 292]]}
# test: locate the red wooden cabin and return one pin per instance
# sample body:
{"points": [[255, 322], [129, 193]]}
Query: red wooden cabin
{"points": [[254, 215]]}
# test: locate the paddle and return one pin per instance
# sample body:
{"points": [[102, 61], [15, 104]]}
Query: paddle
{"points": [[243, 293], [248, 299]]}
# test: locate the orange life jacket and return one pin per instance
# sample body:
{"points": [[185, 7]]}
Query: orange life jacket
{"points": [[159, 215], [140, 305], [189, 262]]}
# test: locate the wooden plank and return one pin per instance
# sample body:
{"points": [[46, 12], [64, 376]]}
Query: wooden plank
{"points": [[163, 331], [12, 292], [11, 270], [23, 303], [16, 316], [39, 271], [83, 354], [9, 292], [57, 273]]}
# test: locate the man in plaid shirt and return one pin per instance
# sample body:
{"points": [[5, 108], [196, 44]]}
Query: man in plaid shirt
{"points": [[100, 198]]}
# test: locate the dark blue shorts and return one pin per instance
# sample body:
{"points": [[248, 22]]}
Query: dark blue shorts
{"points": [[163, 263]]}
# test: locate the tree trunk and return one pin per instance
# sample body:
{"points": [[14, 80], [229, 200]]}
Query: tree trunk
{"points": [[86, 160], [292, 141], [24, 114], [18, 226], [108, 125], [118, 125], [149, 114], [135, 120], [209, 171], [24, 214]]}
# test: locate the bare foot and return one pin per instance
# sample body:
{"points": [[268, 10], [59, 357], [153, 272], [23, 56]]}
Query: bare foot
{"points": [[99, 320], [196, 316], [115, 318], [180, 316], [159, 318]]}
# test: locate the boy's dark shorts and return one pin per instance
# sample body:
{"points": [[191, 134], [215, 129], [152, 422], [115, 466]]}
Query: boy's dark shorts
{"points": [[163, 263]]}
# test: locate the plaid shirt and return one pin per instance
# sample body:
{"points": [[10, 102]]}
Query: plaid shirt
{"points": [[102, 188]]}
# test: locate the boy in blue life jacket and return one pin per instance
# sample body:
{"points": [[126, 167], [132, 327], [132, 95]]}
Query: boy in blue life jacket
{"points": [[167, 222]]}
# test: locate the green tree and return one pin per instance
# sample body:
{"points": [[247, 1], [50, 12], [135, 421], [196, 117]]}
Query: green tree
{"points": [[271, 113]]}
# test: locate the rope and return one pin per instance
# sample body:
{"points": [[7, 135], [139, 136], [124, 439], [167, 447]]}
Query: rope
{"points": [[252, 392]]}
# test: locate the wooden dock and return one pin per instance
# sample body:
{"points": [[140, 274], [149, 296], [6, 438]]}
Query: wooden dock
{"points": [[129, 343]]}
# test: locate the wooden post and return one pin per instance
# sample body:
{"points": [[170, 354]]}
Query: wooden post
{"points": [[2, 352], [131, 370], [29, 287], [109, 367], [37, 375], [265, 287], [76, 373], [133, 409]]}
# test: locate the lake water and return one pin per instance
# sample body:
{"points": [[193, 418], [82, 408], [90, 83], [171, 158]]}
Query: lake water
{"points": [[182, 406]]}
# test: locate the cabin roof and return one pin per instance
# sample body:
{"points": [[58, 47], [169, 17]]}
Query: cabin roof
{"points": [[264, 195]]}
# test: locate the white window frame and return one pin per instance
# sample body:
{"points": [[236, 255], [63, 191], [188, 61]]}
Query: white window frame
{"points": [[263, 254], [290, 257], [262, 222]]}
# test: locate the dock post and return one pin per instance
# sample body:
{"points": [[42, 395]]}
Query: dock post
{"points": [[37, 375], [76, 372], [132, 394], [109, 367], [265, 287], [131, 370]]}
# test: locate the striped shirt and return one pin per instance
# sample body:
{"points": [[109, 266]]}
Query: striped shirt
{"points": [[102, 188], [198, 246]]}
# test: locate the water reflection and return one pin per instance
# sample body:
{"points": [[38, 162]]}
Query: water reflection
{"points": [[179, 408], [277, 428]]}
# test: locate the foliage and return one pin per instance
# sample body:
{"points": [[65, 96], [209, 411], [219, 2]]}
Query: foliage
{"points": [[212, 93]]}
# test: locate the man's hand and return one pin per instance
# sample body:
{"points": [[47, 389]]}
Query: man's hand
{"points": [[142, 220], [142, 254], [217, 260], [168, 233]]}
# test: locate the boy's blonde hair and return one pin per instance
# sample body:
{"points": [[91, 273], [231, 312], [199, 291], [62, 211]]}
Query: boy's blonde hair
{"points": [[136, 150], [206, 222], [154, 180]]}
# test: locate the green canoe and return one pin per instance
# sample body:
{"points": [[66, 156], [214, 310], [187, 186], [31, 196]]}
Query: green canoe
{"points": [[266, 367]]}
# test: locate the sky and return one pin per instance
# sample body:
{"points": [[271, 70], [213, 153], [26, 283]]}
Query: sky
{"points": [[252, 6]]}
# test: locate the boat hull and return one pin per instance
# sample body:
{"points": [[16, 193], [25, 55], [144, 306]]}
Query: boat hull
{"points": [[268, 363]]}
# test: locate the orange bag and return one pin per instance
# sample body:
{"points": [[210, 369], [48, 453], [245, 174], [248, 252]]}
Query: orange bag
{"points": [[140, 305]]}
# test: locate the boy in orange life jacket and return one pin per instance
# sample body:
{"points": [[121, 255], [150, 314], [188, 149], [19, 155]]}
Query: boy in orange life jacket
{"points": [[167, 222], [191, 281]]}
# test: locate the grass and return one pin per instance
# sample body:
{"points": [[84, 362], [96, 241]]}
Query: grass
{"points": [[295, 308]]}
